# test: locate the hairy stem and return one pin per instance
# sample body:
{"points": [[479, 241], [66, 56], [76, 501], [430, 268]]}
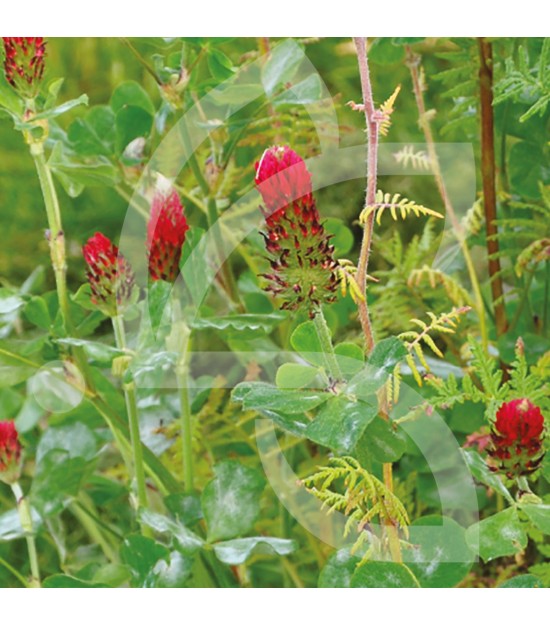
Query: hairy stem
{"points": [[25, 517], [488, 176], [361, 277], [413, 62], [372, 165], [133, 421]]}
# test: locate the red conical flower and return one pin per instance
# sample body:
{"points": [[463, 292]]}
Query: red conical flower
{"points": [[10, 453], [301, 256], [517, 438], [165, 236], [110, 275], [24, 63]]}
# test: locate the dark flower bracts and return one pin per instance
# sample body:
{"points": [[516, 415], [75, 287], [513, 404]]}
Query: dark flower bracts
{"points": [[165, 236], [24, 64], [10, 453], [303, 269], [110, 275], [517, 438]]}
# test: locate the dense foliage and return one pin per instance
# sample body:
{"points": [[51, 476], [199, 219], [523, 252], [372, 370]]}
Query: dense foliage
{"points": [[238, 356]]}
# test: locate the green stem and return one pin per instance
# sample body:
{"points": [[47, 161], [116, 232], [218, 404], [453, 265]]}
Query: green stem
{"points": [[325, 339], [182, 376], [26, 523], [133, 420], [56, 236]]}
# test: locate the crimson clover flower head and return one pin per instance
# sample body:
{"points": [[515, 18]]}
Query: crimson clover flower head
{"points": [[110, 275], [303, 268], [165, 236], [10, 453], [517, 438], [24, 63], [282, 177]]}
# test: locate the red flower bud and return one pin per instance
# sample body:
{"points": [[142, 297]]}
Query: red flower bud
{"points": [[24, 63], [517, 438], [301, 257], [165, 236], [10, 453], [110, 275]]}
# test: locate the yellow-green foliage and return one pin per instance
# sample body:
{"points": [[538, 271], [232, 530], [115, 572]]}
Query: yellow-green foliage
{"points": [[458, 295], [397, 205], [414, 341], [364, 498]]}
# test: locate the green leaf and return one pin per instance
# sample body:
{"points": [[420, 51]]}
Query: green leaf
{"points": [[305, 341], [308, 91], [67, 581], [131, 93], [383, 575], [351, 358], [385, 355], [440, 556], [261, 396], [523, 581], [57, 479], [499, 535], [141, 554], [29, 415], [338, 570], [170, 574], [238, 550], [294, 424], [185, 507], [231, 501], [281, 66], [58, 110], [293, 375], [340, 424], [77, 439], [98, 352], [131, 122], [186, 540], [539, 515], [219, 64], [36, 311], [483, 474], [93, 134], [112, 575], [381, 442], [75, 175], [158, 296], [265, 323]]}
